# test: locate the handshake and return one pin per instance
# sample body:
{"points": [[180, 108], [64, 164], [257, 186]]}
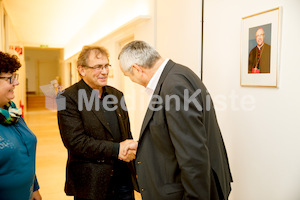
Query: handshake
{"points": [[127, 150]]}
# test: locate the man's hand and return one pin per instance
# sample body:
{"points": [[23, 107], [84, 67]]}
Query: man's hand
{"points": [[132, 146], [36, 195], [126, 153]]}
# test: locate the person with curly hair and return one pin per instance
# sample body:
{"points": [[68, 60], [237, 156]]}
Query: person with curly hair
{"points": [[17, 143]]}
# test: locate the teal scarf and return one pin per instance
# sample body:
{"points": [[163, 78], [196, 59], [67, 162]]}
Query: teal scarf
{"points": [[10, 114]]}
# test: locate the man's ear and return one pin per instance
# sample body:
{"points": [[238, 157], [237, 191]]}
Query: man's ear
{"points": [[137, 68], [81, 71]]}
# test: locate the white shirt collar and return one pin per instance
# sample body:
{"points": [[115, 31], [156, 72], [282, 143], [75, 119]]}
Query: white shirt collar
{"points": [[155, 78], [261, 46]]}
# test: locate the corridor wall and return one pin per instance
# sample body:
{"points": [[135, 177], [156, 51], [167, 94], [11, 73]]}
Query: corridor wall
{"points": [[260, 124], [10, 43]]}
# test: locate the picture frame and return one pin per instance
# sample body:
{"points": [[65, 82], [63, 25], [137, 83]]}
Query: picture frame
{"points": [[260, 45]]}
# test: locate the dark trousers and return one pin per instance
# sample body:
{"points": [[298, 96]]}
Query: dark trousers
{"points": [[215, 189], [120, 188], [78, 198]]}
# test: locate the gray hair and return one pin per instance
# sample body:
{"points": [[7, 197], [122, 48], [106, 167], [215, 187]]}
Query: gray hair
{"points": [[139, 53]]}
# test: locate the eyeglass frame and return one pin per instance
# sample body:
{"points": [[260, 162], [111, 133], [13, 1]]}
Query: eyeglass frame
{"points": [[12, 78], [99, 67]]}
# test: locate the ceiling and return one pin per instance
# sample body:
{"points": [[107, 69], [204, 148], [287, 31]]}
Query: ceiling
{"points": [[49, 22]]}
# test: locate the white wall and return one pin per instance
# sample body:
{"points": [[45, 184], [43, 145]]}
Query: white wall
{"points": [[12, 40], [178, 31], [111, 15], [263, 143]]}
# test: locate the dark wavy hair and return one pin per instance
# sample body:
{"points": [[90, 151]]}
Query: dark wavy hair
{"points": [[83, 57], [9, 63]]}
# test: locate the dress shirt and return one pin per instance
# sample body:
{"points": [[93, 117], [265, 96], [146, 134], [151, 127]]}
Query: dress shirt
{"points": [[154, 80], [261, 46]]}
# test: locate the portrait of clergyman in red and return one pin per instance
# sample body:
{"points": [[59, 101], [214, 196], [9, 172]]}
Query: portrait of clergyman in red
{"points": [[259, 49]]}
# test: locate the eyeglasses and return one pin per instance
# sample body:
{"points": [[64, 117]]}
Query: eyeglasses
{"points": [[12, 78], [99, 67]]}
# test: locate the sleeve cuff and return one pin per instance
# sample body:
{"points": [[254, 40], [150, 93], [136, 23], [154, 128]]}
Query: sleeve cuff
{"points": [[35, 184], [115, 152]]}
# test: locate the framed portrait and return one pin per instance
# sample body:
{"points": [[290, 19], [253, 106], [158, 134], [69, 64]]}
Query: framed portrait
{"points": [[260, 41]]}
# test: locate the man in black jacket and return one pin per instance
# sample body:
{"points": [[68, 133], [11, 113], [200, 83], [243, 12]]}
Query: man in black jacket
{"points": [[95, 128]]}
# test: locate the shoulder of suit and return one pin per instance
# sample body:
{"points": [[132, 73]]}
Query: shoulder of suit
{"points": [[181, 70], [267, 45], [254, 49], [180, 75], [73, 89]]}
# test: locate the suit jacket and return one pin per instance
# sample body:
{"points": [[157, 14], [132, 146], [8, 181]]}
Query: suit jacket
{"points": [[181, 154], [264, 63], [89, 141]]}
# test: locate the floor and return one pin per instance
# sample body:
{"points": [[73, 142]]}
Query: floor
{"points": [[51, 155]]}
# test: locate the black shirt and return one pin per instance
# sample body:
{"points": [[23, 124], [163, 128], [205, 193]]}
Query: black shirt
{"points": [[111, 117], [112, 120]]}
